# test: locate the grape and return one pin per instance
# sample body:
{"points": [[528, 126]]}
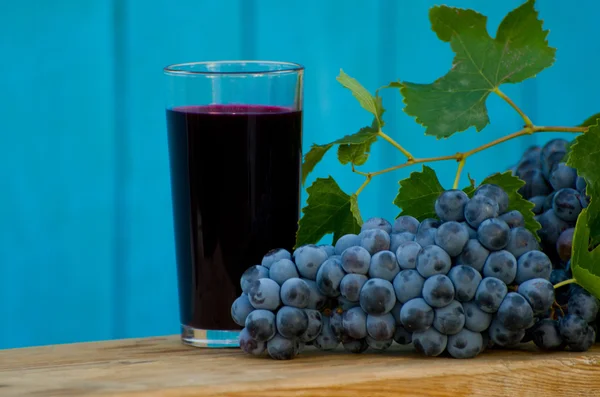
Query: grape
{"points": [[346, 304], [563, 176], [405, 223], [552, 227], [384, 265], [451, 237], [552, 153], [573, 328], [438, 291], [408, 285], [315, 324], [308, 260], [465, 280], [490, 293], [264, 294], [539, 204], [396, 239], [495, 193], [336, 323], [425, 237], [526, 164], [406, 254], [428, 223], [535, 184], [533, 264], [291, 322], [472, 232], [493, 234], [581, 185], [562, 293], [503, 336], [429, 342], [356, 259], [476, 319], [355, 346], [450, 205], [281, 348], [377, 223], [513, 219], [546, 335], [275, 255], [433, 260], [450, 319], [416, 315], [351, 285], [240, 309], [354, 323], [474, 255], [502, 265], [330, 249], [584, 305], [402, 336], [480, 208], [316, 300], [548, 202], [539, 293], [345, 242], [381, 328], [396, 312], [326, 339], [252, 274], [377, 296], [283, 270], [261, 325], [520, 241], [375, 240], [514, 313], [329, 276], [586, 342], [566, 204], [465, 344], [250, 345], [296, 293], [378, 345], [564, 244]]}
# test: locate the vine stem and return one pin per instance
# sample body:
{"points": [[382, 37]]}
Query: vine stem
{"points": [[395, 144], [364, 185], [461, 165], [502, 95], [563, 283]]}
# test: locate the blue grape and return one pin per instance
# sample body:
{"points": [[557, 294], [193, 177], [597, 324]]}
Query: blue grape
{"points": [[520, 241], [375, 240], [502, 265], [586, 342], [329, 277], [581, 185], [438, 291], [504, 337], [396, 239], [308, 260], [561, 294], [495, 193], [378, 345], [336, 323], [326, 339], [377, 296], [535, 184], [406, 254], [377, 223], [465, 280], [252, 274], [264, 294], [573, 328], [281, 348], [528, 164], [546, 335], [275, 255], [396, 312], [330, 249], [563, 176], [428, 223], [315, 324], [584, 305], [476, 319], [351, 285], [450, 319], [450, 205], [405, 223], [355, 346], [515, 313], [240, 309], [474, 255], [480, 208], [345, 242], [408, 285], [513, 219], [316, 300], [451, 237], [261, 325], [493, 234], [354, 323], [490, 293], [548, 202], [402, 336], [465, 344], [384, 265], [346, 304], [539, 293], [425, 237], [250, 345], [533, 264], [552, 227], [538, 201], [552, 153], [291, 322], [472, 232], [295, 292], [381, 328], [416, 315], [566, 204], [356, 259], [433, 260], [564, 244], [282, 270], [429, 342]]}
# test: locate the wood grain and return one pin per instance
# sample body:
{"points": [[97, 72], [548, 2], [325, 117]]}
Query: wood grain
{"points": [[162, 367]]}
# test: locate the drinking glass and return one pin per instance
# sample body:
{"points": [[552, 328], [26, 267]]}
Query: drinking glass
{"points": [[235, 151]]}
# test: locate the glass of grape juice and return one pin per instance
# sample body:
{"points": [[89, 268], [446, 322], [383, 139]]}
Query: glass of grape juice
{"points": [[235, 153]]}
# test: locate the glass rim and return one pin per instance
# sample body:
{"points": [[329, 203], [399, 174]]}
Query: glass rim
{"points": [[185, 68]]}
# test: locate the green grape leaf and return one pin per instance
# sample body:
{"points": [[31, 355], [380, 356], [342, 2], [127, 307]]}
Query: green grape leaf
{"points": [[369, 102], [511, 185], [457, 101], [590, 121], [417, 194], [585, 264], [328, 210], [312, 158]]}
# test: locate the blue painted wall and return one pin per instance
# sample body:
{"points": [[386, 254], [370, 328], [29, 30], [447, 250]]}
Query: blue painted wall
{"points": [[86, 247]]}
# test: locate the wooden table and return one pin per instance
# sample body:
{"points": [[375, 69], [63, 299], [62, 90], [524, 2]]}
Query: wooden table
{"points": [[162, 367]]}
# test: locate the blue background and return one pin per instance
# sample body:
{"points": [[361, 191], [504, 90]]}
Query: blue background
{"points": [[86, 246]]}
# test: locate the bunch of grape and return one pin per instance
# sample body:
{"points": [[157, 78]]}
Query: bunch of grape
{"points": [[559, 195]]}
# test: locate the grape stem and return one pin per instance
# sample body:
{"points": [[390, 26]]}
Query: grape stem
{"points": [[502, 95], [461, 165], [395, 144], [563, 283]]}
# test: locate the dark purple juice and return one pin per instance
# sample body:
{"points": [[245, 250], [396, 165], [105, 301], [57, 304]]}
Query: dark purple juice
{"points": [[235, 178]]}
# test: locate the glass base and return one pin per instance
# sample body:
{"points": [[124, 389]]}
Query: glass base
{"points": [[209, 337]]}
